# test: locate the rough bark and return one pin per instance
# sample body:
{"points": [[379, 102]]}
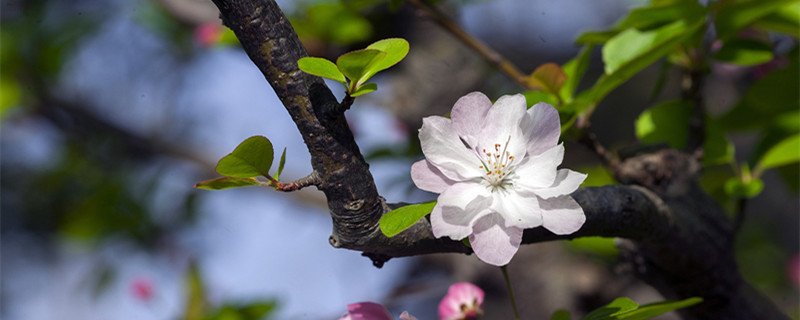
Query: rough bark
{"points": [[679, 238]]}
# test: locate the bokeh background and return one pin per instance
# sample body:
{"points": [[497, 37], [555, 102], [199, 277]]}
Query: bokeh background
{"points": [[111, 110]]}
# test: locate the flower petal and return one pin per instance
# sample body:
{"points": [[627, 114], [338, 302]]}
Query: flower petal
{"points": [[502, 125], [458, 208], [561, 215], [519, 210], [461, 296], [567, 181], [541, 127], [442, 228], [494, 243], [428, 178], [468, 114], [406, 316], [539, 171], [366, 311], [444, 149]]}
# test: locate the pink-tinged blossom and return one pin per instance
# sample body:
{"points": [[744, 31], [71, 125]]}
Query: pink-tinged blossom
{"points": [[464, 301], [142, 288], [208, 34], [371, 311], [495, 169]]}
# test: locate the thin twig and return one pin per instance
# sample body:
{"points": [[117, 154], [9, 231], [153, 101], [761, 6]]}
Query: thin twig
{"points": [[487, 53], [310, 180], [510, 291], [589, 139]]}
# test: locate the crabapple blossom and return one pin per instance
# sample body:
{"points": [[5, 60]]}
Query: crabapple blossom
{"points": [[371, 311], [495, 169], [464, 301]]}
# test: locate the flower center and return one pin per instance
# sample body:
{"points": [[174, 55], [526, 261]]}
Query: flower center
{"points": [[499, 166]]}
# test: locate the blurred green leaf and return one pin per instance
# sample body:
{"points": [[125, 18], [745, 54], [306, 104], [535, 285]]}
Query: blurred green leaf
{"points": [[395, 48], [397, 220], [251, 158], [665, 122], [624, 308], [321, 67], [591, 38], [733, 16], [332, 21], [281, 163], [717, 149], [574, 69], [783, 153], [784, 125], [736, 188], [609, 311], [536, 96], [654, 309], [785, 20], [597, 176], [597, 245], [10, 94], [669, 122], [548, 77], [356, 65], [631, 51], [222, 183], [660, 14], [560, 315], [195, 308], [364, 89], [766, 100], [744, 52]]}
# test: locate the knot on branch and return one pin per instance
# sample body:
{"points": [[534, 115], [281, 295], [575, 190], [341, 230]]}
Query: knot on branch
{"points": [[668, 171]]}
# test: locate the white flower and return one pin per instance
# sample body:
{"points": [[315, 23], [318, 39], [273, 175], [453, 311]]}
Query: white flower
{"points": [[495, 169]]}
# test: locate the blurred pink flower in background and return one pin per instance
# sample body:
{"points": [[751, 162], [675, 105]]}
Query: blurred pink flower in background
{"points": [[142, 288], [208, 34], [371, 311], [793, 269], [464, 301]]}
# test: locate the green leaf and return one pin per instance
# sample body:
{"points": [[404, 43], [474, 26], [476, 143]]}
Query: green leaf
{"points": [[631, 51], [665, 122], [783, 153], [785, 20], [322, 68], [744, 52], [734, 16], [548, 77], [624, 308], [222, 183], [598, 245], [402, 218], [280, 165], [364, 89], [616, 307], [395, 48], [251, 158], [654, 309], [356, 64], [595, 37], [736, 188], [717, 149], [574, 70], [767, 99], [560, 315], [661, 14], [536, 96], [668, 123]]}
